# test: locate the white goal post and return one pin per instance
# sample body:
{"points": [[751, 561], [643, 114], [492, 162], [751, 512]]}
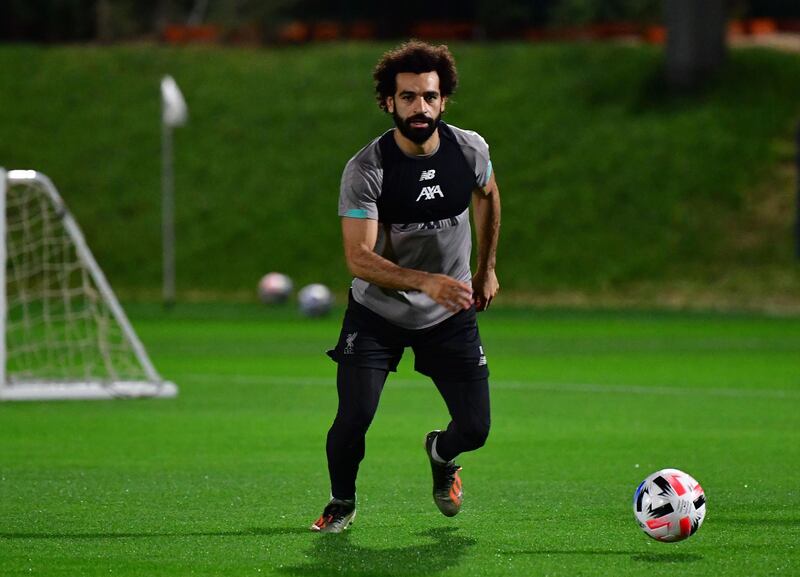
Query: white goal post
{"points": [[63, 333]]}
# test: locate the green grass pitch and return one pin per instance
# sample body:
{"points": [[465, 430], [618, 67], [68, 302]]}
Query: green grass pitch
{"points": [[226, 479]]}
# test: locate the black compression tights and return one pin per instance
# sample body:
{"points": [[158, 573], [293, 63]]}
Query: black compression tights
{"points": [[359, 392]]}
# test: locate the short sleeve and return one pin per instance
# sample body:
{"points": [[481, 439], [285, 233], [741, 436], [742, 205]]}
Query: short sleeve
{"points": [[359, 191], [482, 162], [476, 151]]}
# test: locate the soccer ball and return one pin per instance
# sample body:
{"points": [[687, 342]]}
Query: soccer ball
{"points": [[315, 300], [669, 505], [274, 288]]}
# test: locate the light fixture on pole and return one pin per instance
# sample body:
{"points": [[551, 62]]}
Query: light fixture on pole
{"points": [[173, 113]]}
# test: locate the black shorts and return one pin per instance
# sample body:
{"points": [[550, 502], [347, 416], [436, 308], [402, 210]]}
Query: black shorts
{"points": [[449, 350]]}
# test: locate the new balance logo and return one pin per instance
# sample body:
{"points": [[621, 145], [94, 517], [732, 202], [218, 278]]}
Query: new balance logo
{"points": [[482, 359], [430, 192], [427, 175], [349, 348]]}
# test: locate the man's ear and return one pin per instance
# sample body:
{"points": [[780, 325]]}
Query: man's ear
{"points": [[444, 103], [390, 104]]}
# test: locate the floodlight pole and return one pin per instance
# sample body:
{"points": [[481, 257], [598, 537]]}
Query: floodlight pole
{"points": [[797, 200], [173, 113], [168, 215], [3, 256]]}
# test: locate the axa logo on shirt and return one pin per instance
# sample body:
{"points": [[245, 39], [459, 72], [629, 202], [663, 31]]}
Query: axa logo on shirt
{"points": [[430, 192], [427, 175]]}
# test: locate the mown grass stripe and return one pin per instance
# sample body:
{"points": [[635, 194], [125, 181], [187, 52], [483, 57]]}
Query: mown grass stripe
{"points": [[530, 385]]}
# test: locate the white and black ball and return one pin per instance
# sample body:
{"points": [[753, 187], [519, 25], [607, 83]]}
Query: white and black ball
{"points": [[669, 505], [315, 300]]}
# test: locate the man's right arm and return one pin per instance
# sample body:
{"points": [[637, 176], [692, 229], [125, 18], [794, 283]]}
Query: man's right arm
{"points": [[360, 236]]}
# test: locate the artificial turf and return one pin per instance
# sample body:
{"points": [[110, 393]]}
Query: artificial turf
{"points": [[226, 479]]}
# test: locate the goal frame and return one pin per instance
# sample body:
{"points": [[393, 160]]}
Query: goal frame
{"points": [[153, 386]]}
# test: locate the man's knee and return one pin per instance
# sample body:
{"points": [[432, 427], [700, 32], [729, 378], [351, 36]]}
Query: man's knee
{"points": [[475, 435], [353, 422]]}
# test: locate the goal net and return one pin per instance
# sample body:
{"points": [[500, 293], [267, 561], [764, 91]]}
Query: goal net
{"points": [[64, 334]]}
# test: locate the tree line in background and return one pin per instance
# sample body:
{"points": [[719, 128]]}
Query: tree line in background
{"points": [[111, 20]]}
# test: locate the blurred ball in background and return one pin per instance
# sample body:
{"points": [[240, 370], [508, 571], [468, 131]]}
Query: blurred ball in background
{"points": [[315, 300], [274, 288]]}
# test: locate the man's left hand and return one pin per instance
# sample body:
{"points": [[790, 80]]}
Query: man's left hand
{"points": [[484, 288]]}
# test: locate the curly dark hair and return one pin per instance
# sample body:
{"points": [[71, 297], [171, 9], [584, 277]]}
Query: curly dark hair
{"points": [[417, 57]]}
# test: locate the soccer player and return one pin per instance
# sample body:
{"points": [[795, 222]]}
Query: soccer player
{"points": [[404, 203]]}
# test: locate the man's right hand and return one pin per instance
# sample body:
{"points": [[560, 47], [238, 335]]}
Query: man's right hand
{"points": [[360, 236], [453, 295]]}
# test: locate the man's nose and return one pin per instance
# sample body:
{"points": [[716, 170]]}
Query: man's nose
{"points": [[421, 105]]}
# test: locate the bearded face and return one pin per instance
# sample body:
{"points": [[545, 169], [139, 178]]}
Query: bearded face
{"points": [[417, 106], [417, 128]]}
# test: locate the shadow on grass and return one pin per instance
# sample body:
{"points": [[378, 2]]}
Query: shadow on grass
{"points": [[336, 555], [253, 532], [329, 554], [782, 522], [645, 557], [668, 557]]}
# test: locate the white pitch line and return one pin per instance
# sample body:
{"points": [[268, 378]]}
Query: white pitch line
{"points": [[529, 385]]}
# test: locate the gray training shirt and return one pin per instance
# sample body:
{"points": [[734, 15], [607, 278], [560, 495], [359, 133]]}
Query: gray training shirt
{"points": [[422, 206]]}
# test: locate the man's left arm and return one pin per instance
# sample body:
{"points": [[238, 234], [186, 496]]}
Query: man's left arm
{"points": [[486, 215]]}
